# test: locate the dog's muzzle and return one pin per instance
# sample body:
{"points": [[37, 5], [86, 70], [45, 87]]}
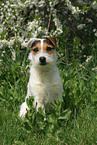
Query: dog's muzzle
{"points": [[42, 60]]}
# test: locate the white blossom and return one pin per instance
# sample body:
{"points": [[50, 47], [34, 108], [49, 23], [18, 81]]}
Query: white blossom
{"points": [[89, 58], [94, 4], [32, 25], [81, 26]]}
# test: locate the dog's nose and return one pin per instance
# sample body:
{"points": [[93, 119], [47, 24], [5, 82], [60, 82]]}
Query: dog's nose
{"points": [[42, 60]]}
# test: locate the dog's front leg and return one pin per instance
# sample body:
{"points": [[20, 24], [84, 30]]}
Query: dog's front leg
{"points": [[38, 103]]}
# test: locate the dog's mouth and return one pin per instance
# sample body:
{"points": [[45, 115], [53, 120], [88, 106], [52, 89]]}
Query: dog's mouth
{"points": [[43, 63]]}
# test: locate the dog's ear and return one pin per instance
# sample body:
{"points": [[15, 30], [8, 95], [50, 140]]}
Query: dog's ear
{"points": [[31, 41], [53, 40]]}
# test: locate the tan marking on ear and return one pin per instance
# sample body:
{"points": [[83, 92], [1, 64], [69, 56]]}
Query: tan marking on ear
{"points": [[53, 40], [45, 45], [37, 46]]}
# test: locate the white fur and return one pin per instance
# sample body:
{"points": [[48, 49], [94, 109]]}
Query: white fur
{"points": [[44, 83], [23, 109]]}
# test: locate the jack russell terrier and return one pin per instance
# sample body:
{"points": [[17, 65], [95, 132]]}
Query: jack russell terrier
{"points": [[45, 84]]}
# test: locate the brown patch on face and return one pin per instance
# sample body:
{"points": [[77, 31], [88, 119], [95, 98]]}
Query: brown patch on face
{"points": [[48, 48], [36, 48]]}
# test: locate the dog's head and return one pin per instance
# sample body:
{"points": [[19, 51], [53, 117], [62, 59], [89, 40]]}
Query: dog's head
{"points": [[43, 51]]}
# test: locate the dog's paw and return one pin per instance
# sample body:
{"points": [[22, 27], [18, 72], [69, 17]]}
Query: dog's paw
{"points": [[23, 110]]}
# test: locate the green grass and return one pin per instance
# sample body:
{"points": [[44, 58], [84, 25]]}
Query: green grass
{"points": [[77, 122]]}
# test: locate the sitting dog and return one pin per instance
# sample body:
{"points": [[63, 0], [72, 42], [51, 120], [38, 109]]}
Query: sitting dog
{"points": [[45, 84]]}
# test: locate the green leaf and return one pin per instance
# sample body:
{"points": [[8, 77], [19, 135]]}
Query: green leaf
{"points": [[65, 115], [27, 126], [94, 97]]}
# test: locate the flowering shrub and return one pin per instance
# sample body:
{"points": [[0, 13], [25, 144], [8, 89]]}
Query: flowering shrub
{"points": [[21, 20]]}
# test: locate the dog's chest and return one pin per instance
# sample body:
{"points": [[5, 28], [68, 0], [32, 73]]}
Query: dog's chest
{"points": [[45, 85], [45, 92]]}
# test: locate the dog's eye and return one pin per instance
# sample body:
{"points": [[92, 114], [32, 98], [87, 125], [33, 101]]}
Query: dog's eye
{"points": [[35, 49], [49, 48]]}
